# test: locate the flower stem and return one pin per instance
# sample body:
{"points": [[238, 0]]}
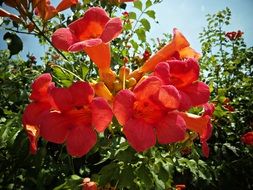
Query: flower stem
{"points": [[66, 70]]}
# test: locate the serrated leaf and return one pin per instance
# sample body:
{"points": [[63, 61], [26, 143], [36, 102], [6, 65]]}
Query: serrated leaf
{"points": [[138, 5], [145, 23], [151, 14]]}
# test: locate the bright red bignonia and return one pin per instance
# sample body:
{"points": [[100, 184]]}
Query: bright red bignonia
{"points": [[77, 118], [92, 34], [184, 76], [42, 103], [148, 113]]}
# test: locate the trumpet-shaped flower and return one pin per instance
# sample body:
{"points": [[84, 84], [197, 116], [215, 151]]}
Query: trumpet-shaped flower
{"points": [[184, 76], [46, 10], [148, 112], [91, 33], [179, 47], [42, 102], [76, 118]]}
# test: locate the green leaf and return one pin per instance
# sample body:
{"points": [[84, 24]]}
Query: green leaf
{"points": [[63, 77], [126, 177], [134, 44], [145, 176], [128, 26], [151, 14], [15, 44], [145, 24], [108, 173], [138, 5], [141, 34], [132, 15], [85, 70], [148, 3]]}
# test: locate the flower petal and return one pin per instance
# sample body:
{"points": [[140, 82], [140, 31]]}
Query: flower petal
{"points": [[82, 93], [123, 106], [63, 98], [171, 129], [207, 132], [79, 46], [4, 13], [112, 29], [169, 96], [94, 20], [139, 134], [167, 52], [33, 135], [80, 140], [188, 52], [183, 73], [64, 4], [41, 87], [100, 55], [185, 101], [198, 93], [162, 70], [205, 148], [147, 88], [33, 112], [101, 114], [63, 38], [195, 122], [208, 109], [54, 127]]}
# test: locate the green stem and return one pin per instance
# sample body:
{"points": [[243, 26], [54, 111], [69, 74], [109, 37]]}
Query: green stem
{"points": [[20, 32], [71, 163], [68, 71], [40, 32], [137, 21]]}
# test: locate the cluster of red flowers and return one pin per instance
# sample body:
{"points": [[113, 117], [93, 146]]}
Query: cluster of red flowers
{"points": [[68, 115], [150, 108], [234, 35]]}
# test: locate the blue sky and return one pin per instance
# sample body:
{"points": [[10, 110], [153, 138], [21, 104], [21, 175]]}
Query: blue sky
{"points": [[186, 15]]}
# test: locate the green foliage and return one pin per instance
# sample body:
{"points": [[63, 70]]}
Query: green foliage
{"points": [[227, 65]]}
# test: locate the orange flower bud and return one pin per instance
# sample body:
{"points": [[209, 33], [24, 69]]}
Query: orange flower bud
{"points": [[102, 91], [108, 77], [123, 73], [136, 74], [131, 82], [117, 85]]}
